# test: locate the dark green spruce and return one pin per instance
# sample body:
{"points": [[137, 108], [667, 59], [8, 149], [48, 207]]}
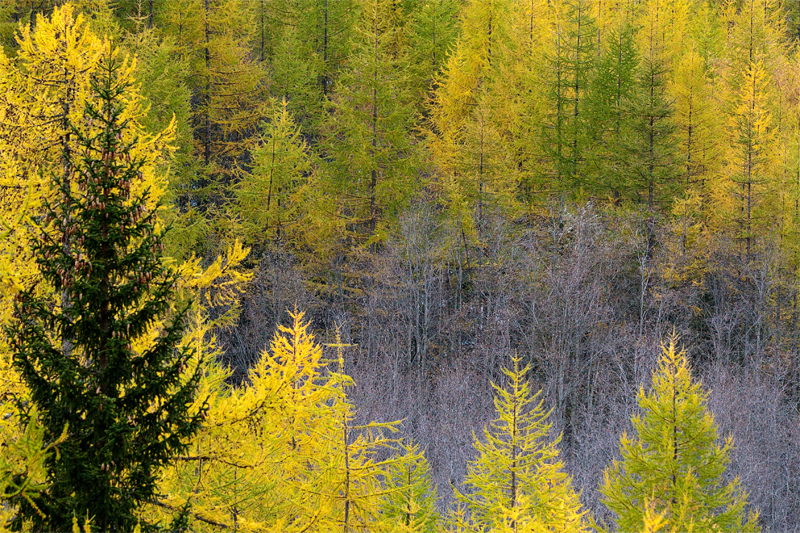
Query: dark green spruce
{"points": [[128, 411]]}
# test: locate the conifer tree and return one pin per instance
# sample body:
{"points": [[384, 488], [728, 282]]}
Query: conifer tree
{"points": [[650, 157], [517, 479], [91, 362], [368, 133], [674, 465], [608, 98], [266, 196], [410, 501], [350, 476], [697, 120], [521, 105], [570, 66], [464, 140], [431, 33], [748, 195], [228, 88]]}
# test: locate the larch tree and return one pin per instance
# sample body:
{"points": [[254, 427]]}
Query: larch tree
{"points": [[464, 140], [410, 501], [127, 410], [610, 91], [650, 157], [698, 122], [517, 482], [373, 160], [266, 196], [228, 89], [350, 475], [255, 464], [747, 196], [570, 66], [307, 45], [674, 465], [432, 30], [520, 107]]}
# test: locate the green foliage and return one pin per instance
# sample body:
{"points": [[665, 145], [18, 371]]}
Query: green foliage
{"points": [[126, 403], [410, 501], [267, 202], [610, 92], [674, 462], [432, 30], [571, 61], [650, 163], [368, 140]]}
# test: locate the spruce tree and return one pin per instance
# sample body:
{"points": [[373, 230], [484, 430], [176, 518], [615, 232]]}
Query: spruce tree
{"points": [[102, 359], [674, 466]]}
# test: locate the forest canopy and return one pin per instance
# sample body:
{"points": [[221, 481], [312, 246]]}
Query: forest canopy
{"points": [[400, 265]]}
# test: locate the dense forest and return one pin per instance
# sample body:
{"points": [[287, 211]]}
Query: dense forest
{"points": [[400, 265]]}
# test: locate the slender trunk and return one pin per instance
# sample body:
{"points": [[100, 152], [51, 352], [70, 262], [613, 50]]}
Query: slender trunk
{"points": [[66, 169], [374, 181], [271, 176], [261, 15], [530, 32], [559, 107], [325, 52], [207, 117], [480, 178], [150, 14], [577, 97], [433, 72], [408, 503], [513, 502], [346, 523], [750, 163], [794, 356], [674, 438], [489, 50]]}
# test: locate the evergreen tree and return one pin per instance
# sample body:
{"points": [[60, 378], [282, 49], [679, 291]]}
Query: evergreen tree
{"points": [[517, 481], [92, 363], [674, 464]]}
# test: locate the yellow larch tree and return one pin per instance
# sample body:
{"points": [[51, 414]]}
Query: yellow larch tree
{"points": [[267, 196], [463, 136], [745, 195], [517, 482], [521, 105], [280, 452], [671, 474]]}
